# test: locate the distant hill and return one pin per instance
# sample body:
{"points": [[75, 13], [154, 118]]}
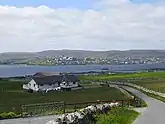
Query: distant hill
{"points": [[83, 53]]}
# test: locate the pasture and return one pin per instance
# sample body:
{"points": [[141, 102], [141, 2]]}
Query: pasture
{"points": [[12, 96], [126, 76], [151, 80], [156, 85]]}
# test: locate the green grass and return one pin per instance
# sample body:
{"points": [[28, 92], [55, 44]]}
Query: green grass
{"points": [[8, 115], [89, 84], [151, 80], [117, 116], [142, 104], [125, 76], [152, 95], [156, 85], [13, 96]]}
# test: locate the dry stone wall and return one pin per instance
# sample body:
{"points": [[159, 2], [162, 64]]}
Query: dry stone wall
{"points": [[83, 116]]}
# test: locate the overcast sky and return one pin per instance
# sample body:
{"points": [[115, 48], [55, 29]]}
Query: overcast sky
{"points": [[89, 25]]}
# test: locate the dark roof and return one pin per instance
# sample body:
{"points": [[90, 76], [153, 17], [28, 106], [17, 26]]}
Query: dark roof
{"points": [[71, 78], [43, 74], [55, 79]]}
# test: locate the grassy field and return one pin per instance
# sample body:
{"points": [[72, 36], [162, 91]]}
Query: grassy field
{"points": [[12, 96], [89, 84], [125, 76], [117, 116], [152, 80], [156, 85]]}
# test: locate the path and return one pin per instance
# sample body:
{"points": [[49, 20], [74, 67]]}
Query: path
{"points": [[154, 113], [37, 120]]}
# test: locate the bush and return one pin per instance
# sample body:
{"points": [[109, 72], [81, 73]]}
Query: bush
{"points": [[8, 115], [117, 116], [11, 114]]}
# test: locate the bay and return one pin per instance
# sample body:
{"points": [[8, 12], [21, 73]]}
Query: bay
{"points": [[22, 70]]}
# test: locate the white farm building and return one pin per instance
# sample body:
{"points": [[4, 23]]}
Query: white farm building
{"points": [[53, 82]]}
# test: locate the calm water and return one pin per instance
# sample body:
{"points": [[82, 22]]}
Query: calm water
{"points": [[20, 70]]}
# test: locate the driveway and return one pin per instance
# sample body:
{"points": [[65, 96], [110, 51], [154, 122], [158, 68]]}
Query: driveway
{"points": [[154, 113]]}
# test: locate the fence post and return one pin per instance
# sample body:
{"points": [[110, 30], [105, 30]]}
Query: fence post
{"points": [[64, 105], [21, 111], [75, 107], [122, 103]]}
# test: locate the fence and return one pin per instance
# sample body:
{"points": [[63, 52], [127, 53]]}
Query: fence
{"points": [[55, 108], [42, 109]]}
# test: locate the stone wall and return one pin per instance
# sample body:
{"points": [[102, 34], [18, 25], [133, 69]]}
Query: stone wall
{"points": [[140, 88], [83, 116]]}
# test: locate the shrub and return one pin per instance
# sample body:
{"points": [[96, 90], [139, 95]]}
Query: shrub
{"points": [[3, 115], [11, 114], [117, 116], [7, 115]]}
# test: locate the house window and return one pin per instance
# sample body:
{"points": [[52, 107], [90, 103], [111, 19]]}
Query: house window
{"points": [[74, 82], [41, 84], [50, 84], [34, 85]]}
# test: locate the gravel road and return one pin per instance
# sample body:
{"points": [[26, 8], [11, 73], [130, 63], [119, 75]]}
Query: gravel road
{"points": [[154, 113]]}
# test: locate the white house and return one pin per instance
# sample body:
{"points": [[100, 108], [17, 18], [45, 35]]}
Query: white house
{"points": [[48, 83]]}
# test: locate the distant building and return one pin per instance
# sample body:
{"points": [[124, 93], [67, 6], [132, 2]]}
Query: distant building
{"points": [[50, 83]]}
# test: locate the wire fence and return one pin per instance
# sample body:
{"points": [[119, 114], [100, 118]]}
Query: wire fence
{"points": [[42, 113], [35, 110], [42, 109]]}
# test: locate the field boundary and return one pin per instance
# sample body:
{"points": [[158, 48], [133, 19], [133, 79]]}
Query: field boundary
{"points": [[140, 88], [151, 93], [130, 94], [35, 110]]}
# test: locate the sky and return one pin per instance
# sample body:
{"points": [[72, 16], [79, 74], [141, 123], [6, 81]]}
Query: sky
{"points": [[37, 25], [80, 4]]}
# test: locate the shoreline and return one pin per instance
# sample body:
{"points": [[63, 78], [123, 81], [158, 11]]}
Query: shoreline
{"points": [[75, 64]]}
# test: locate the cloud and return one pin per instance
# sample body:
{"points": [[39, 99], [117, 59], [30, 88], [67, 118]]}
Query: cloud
{"points": [[117, 24]]}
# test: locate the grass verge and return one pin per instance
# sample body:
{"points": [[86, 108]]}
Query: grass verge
{"points": [[8, 115], [152, 95], [142, 102], [117, 116]]}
